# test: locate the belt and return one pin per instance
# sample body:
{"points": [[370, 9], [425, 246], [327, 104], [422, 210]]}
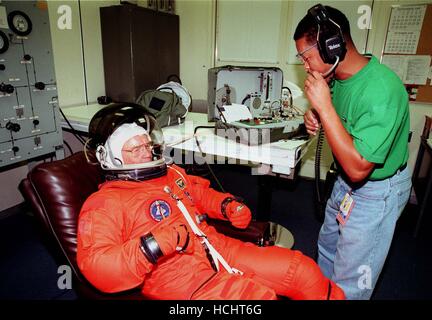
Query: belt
{"points": [[338, 171], [401, 168]]}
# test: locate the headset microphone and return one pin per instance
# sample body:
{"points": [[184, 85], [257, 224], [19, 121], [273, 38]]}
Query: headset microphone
{"points": [[329, 71]]}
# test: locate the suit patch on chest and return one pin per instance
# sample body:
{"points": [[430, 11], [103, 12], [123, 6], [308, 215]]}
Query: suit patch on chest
{"points": [[180, 183], [159, 210]]}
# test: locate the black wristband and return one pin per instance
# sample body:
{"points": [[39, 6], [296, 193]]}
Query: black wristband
{"points": [[150, 248], [187, 239]]}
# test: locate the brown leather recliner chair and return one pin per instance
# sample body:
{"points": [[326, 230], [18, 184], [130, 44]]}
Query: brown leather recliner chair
{"points": [[57, 190]]}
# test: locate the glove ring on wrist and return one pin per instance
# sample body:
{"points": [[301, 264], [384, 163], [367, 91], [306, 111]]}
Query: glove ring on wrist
{"points": [[226, 202], [150, 248]]}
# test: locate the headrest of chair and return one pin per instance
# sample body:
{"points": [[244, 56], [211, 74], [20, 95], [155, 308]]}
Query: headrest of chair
{"points": [[61, 187]]}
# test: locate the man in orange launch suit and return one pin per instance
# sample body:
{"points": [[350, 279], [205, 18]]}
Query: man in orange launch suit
{"points": [[143, 228]]}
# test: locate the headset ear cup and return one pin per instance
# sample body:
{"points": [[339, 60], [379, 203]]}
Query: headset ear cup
{"points": [[330, 39], [329, 53], [329, 43], [322, 49], [334, 47]]}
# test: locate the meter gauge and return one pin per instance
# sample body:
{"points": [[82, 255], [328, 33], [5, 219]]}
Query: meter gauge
{"points": [[20, 23], [4, 42]]}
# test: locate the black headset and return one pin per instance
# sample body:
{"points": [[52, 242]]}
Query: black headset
{"points": [[330, 39]]}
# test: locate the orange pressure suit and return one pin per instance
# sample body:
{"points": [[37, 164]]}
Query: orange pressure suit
{"points": [[113, 219]]}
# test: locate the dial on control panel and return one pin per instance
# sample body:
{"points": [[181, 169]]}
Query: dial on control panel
{"points": [[20, 23], [6, 88], [4, 42]]}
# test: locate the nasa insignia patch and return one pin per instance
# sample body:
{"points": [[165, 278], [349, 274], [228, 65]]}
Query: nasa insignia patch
{"points": [[159, 210]]}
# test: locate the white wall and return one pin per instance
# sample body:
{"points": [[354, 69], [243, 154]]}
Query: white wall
{"points": [[67, 51], [196, 44], [78, 52]]}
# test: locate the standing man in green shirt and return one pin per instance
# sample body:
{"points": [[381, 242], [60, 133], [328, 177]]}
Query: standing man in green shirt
{"points": [[362, 106]]}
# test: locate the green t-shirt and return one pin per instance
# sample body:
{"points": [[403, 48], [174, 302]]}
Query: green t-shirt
{"points": [[373, 107]]}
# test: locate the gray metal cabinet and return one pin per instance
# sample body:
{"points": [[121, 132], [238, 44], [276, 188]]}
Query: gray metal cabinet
{"points": [[140, 49]]}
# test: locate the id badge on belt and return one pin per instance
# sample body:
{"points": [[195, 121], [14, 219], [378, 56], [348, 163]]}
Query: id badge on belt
{"points": [[345, 208]]}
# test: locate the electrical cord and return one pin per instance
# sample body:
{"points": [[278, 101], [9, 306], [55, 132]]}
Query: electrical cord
{"points": [[68, 146], [199, 147], [74, 132], [318, 151], [330, 71], [246, 98], [323, 193], [322, 196]]}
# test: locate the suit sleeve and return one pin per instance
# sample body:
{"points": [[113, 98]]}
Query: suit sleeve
{"points": [[107, 261], [207, 199]]}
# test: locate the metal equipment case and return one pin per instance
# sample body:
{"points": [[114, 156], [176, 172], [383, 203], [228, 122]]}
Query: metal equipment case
{"points": [[257, 87]]}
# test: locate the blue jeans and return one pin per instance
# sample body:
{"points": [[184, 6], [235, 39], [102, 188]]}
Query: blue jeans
{"points": [[353, 255]]}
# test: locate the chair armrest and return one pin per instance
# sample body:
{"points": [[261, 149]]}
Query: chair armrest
{"points": [[258, 232]]}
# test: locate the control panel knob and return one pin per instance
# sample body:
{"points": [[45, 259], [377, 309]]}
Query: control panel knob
{"points": [[15, 127], [40, 85], [9, 88], [6, 88], [35, 122], [15, 149], [27, 57], [2, 67]]}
